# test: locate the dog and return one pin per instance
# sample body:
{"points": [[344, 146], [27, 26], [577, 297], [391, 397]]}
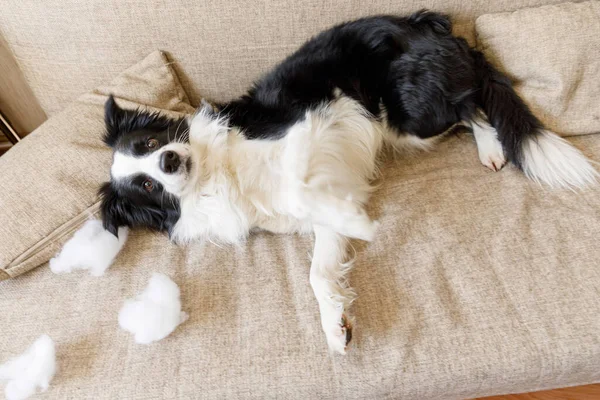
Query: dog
{"points": [[298, 152]]}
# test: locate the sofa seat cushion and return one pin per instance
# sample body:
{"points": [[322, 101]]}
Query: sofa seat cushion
{"points": [[478, 283]]}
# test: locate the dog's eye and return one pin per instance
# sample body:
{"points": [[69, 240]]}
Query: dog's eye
{"points": [[152, 143], [148, 185]]}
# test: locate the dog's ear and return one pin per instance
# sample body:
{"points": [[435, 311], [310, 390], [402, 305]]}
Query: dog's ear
{"points": [[118, 211], [120, 121], [113, 118], [111, 209]]}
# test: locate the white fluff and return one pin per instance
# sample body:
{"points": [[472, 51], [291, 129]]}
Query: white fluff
{"points": [[31, 370], [92, 248], [550, 159], [154, 313]]}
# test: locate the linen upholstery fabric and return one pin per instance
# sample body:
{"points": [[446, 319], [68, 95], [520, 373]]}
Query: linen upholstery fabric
{"points": [[68, 47], [50, 179], [477, 283], [551, 53]]}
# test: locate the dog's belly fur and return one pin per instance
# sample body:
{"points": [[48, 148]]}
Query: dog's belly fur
{"points": [[323, 163]]}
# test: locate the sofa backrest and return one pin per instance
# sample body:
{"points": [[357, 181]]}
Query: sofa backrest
{"points": [[66, 47]]}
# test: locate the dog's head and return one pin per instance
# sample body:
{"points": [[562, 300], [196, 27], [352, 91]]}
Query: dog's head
{"points": [[151, 168]]}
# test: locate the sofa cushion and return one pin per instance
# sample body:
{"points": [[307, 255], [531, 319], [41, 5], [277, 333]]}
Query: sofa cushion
{"points": [[477, 283], [50, 179], [551, 53]]}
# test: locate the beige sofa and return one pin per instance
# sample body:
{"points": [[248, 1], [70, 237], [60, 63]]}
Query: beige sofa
{"points": [[479, 283]]}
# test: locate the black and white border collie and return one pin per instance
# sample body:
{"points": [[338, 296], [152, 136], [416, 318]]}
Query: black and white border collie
{"points": [[299, 151]]}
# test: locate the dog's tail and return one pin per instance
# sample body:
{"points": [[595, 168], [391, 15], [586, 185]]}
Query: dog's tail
{"points": [[542, 155]]}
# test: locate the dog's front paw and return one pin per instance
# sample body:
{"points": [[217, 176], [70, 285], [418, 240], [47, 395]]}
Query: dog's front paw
{"points": [[206, 123], [207, 108]]}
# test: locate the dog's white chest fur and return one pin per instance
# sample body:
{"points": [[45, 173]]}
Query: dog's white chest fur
{"points": [[319, 172]]}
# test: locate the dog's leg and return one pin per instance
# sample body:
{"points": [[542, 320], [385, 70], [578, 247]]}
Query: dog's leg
{"points": [[489, 147], [342, 216], [328, 280]]}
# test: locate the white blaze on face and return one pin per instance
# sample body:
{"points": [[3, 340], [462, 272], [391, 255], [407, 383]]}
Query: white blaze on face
{"points": [[127, 165]]}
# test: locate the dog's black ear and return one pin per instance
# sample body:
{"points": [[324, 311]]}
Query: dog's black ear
{"points": [[113, 118], [120, 121], [111, 209], [118, 211]]}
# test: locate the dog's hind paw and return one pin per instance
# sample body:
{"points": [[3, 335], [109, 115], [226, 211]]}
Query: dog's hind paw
{"points": [[339, 335]]}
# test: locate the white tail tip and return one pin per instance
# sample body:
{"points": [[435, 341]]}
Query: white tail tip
{"points": [[548, 158]]}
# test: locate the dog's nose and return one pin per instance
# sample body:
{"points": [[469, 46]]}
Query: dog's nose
{"points": [[169, 162]]}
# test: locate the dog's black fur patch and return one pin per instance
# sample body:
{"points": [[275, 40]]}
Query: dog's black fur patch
{"points": [[426, 78]]}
